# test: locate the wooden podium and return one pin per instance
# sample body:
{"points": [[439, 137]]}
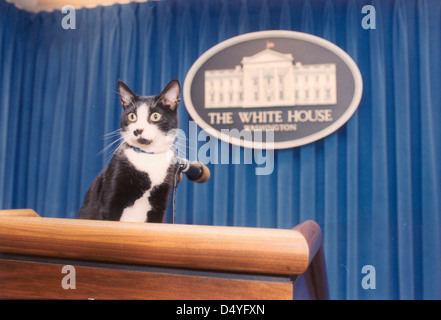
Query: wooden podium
{"points": [[124, 260]]}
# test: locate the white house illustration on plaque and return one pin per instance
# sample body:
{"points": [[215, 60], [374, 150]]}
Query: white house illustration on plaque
{"points": [[269, 79]]}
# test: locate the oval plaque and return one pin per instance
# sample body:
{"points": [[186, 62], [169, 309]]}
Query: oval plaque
{"points": [[300, 87]]}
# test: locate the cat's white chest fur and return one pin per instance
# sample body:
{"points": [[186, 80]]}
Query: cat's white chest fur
{"points": [[156, 166], [138, 211]]}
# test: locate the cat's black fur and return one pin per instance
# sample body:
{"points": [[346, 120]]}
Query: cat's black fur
{"points": [[137, 182]]}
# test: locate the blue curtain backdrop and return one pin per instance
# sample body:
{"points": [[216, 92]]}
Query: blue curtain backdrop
{"points": [[374, 186]]}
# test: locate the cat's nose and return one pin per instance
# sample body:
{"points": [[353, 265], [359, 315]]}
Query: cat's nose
{"points": [[137, 132]]}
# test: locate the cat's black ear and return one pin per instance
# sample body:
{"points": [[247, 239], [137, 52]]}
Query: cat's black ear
{"points": [[169, 97], [127, 95]]}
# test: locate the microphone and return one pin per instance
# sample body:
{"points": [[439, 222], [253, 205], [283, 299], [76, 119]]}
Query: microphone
{"points": [[194, 170]]}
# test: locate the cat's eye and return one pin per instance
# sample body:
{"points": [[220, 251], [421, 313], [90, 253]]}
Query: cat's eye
{"points": [[155, 116], [132, 117]]}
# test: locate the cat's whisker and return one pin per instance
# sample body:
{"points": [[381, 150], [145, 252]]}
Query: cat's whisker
{"points": [[181, 138], [113, 133], [114, 151], [112, 137], [110, 145], [181, 143], [121, 143], [181, 135], [106, 148], [185, 147]]}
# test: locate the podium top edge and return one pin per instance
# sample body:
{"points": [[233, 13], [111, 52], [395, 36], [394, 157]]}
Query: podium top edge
{"points": [[238, 249]]}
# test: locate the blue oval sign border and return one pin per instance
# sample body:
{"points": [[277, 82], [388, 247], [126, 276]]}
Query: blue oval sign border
{"points": [[269, 35]]}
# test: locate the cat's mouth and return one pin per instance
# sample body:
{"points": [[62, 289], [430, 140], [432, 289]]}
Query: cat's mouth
{"points": [[144, 141]]}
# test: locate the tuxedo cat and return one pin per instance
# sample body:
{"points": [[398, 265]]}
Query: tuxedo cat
{"points": [[136, 184]]}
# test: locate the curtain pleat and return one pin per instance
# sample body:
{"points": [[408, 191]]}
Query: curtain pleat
{"points": [[373, 185], [403, 151], [429, 19], [354, 224]]}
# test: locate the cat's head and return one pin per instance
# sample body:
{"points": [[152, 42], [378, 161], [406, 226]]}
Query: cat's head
{"points": [[146, 122]]}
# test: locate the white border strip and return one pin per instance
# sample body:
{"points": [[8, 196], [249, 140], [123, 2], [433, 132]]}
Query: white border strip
{"points": [[36, 6]]}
